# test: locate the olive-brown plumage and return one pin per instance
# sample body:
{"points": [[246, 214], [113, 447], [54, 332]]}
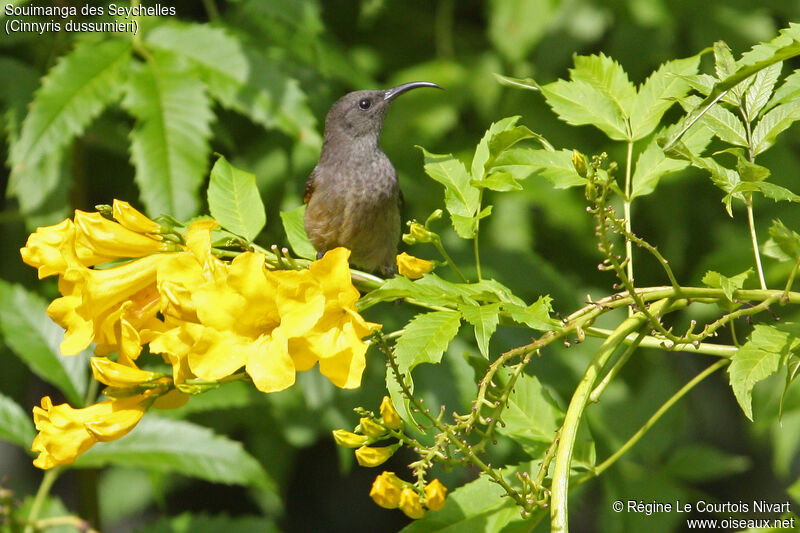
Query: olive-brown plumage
{"points": [[352, 194]]}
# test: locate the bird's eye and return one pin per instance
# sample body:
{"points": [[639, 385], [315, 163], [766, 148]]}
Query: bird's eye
{"points": [[365, 103]]}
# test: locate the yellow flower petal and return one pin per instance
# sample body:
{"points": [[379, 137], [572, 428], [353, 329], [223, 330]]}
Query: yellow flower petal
{"points": [[389, 414], [370, 456], [386, 490], [371, 428], [435, 494], [412, 267], [114, 374], [270, 366], [133, 219], [410, 504], [348, 439], [65, 433], [107, 238]]}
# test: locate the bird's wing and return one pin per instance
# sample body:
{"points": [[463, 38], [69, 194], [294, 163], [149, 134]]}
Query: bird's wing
{"points": [[309, 190]]}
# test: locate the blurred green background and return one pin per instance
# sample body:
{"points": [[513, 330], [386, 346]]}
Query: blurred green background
{"points": [[303, 55]]}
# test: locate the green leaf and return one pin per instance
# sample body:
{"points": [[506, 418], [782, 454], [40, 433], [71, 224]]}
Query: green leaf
{"points": [[761, 56], [783, 244], [607, 75], [759, 92], [728, 285], [751, 172], [698, 463], [517, 83], [165, 445], [72, 94], [500, 136], [296, 233], [776, 192], [536, 315], [169, 145], [722, 122], [579, 103], [425, 338], [15, 424], [498, 181], [792, 371], [725, 65], [652, 164], [787, 92], [773, 123], [555, 167], [30, 333], [234, 201], [659, 92], [240, 79], [484, 319], [532, 416], [461, 198], [759, 358]]}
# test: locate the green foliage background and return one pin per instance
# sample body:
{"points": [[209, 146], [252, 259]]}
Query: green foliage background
{"points": [[253, 80]]}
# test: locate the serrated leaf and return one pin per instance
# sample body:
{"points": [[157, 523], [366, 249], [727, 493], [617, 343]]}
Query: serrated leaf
{"points": [[500, 136], [532, 416], [484, 318], [773, 123], [498, 181], [783, 244], [555, 166], [652, 164], [240, 79], [72, 94], [461, 198], [776, 192], [758, 359], [15, 424], [725, 125], [787, 92], [758, 94], [169, 144], [177, 446], [234, 201], [296, 233], [659, 92], [536, 315], [578, 103], [35, 339], [760, 57], [425, 338], [605, 74], [728, 285]]}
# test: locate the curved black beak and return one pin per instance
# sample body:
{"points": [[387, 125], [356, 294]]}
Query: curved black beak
{"points": [[394, 92]]}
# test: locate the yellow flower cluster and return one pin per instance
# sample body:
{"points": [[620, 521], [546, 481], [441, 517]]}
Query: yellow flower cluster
{"points": [[207, 318], [391, 492]]}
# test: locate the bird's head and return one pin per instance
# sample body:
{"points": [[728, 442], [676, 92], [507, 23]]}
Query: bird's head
{"points": [[360, 114]]}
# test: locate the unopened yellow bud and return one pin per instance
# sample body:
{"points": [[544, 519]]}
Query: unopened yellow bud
{"points": [[418, 232], [386, 490], [370, 456], [349, 439], [389, 414], [114, 374], [410, 504], [435, 494], [371, 428], [579, 162]]}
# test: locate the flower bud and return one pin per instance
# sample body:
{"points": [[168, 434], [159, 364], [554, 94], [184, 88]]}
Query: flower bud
{"points": [[348, 439], [418, 232], [410, 504], [435, 494], [370, 456], [371, 428], [579, 162], [389, 414], [386, 490], [412, 267]]}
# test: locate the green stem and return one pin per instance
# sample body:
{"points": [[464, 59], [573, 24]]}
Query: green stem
{"points": [[754, 239], [475, 238], [611, 374], [437, 242], [211, 10], [48, 479], [658, 414], [790, 281], [559, 513], [627, 213], [719, 350]]}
